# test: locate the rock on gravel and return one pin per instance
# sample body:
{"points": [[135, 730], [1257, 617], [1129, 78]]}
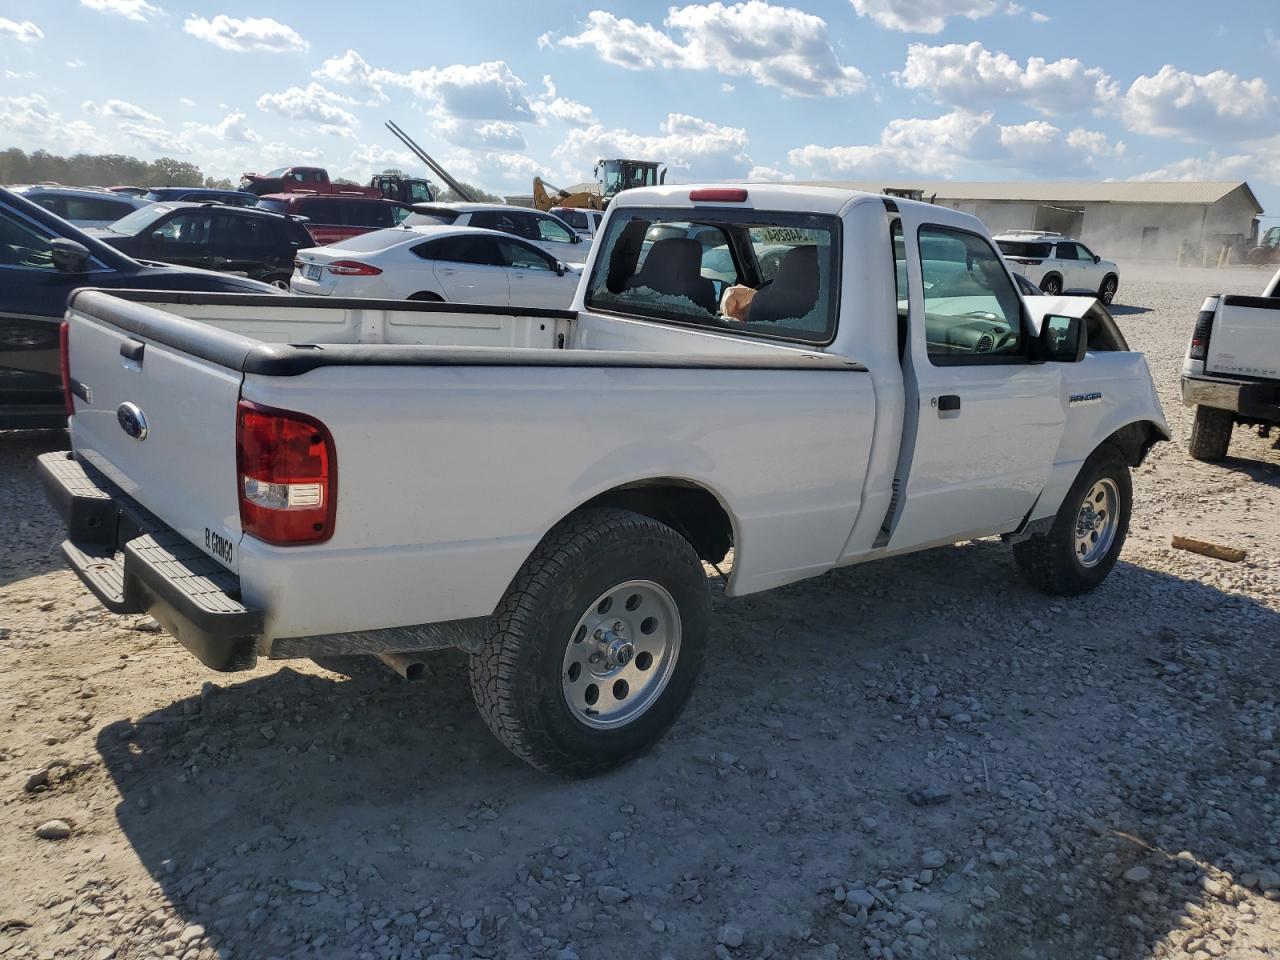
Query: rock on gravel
{"points": [[54, 830]]}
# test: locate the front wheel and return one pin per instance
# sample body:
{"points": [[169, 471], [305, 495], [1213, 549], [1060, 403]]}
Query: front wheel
{"points": [[597, 644], [1088, 532], [1107, 292]]}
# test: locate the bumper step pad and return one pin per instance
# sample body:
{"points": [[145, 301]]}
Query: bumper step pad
{"points": [[133, 563]]}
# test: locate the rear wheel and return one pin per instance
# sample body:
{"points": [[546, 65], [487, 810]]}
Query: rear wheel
{"points": [[280, 281], [1087, 534], [1211, 433], [597, 644], [1051, 285], [1107, 292]]}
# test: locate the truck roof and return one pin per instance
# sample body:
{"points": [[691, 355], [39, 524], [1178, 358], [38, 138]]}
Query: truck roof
{"points": [[771, 196]]}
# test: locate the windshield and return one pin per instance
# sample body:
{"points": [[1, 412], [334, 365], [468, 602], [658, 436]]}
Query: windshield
{"points": [[753, 272], [278, 172], [138, 221], [1023, 248]]}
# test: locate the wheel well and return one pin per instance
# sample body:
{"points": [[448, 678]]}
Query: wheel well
{"points": [[690, 510], [1134, 440], [426, 296], [1051, 273]]}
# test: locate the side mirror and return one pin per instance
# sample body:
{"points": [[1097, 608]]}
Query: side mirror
{"points": [[1063, 339], [68, 255], [157, 237], [561, 269], [577, 238], [1096, 258]]}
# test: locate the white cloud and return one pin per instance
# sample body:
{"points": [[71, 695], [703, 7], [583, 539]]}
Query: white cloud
{"points": [[139, 10], [120, 108], [375, 157], [761, 173], [254, 33], [314, 103], [937, 146], [1038, 17], [1095, 143], [24, 32], [75, 64], [471, 105], [233, 128], [779, 47], [156, 138], [552, 106], [700, 148], [1262, 163], [186, 102], [24, 75], [481, 134], [353, 70], [727, 88], [481, 91], [1175, 103], [970, 75], [922, 16]]}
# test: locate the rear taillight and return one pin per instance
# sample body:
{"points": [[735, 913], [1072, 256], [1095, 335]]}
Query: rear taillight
{"points": [[288, 472], [64, 353], [1200, 336], [1027, 260], [353, 268]]}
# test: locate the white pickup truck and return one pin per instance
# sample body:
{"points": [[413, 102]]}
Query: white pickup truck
{"points": [[302, 478], [1231, 371]]}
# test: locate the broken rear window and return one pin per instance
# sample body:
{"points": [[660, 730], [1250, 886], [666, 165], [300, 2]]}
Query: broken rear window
{"points": [[746, 271]]}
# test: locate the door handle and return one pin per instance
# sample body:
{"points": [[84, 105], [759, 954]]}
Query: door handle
{"points": [[948, 402]]}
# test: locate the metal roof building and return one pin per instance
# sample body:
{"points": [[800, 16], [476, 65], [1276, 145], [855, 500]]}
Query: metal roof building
{"points": [[1141, 219]]}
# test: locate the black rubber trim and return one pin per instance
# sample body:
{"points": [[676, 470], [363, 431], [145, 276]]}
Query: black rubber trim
{"points": [[1256, 303], [131, 314], [286, 360], [133, 563]]}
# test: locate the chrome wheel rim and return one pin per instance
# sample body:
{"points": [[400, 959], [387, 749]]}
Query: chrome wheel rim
{"points": [[1108, 291], [621, 654], [1097, 522], [280, 284], [1052, 288]]}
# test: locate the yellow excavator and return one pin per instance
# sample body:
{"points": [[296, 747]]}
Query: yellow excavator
{"points": [[612, 177]]}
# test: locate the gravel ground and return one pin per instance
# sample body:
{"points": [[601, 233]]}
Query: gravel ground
{"points": [[917, 758]]}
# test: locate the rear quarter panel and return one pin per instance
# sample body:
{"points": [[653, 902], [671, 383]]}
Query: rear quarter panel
{"points": [[448, 476]]}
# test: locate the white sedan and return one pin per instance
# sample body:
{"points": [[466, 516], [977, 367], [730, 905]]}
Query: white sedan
{"points": [[454, 264]]}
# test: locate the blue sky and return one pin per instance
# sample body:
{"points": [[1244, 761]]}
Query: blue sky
{"points": [[851, 89]]}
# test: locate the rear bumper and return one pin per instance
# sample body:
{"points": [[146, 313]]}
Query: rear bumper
{"points": [[1254, 400], [134, 563]]}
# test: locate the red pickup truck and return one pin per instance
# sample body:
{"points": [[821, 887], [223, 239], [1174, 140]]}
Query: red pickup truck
{"points": [[316, 180]]}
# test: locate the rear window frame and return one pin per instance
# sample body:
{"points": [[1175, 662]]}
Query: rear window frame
{"points": [[713, 216]]}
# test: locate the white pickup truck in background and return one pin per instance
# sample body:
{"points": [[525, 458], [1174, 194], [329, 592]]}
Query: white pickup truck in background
{"points": [[1231, 372], [303, 478]]}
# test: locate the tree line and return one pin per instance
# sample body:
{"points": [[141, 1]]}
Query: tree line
{"points": [[101, 170]]}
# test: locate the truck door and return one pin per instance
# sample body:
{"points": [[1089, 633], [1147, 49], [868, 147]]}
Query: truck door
{"points": [[987, 422]]}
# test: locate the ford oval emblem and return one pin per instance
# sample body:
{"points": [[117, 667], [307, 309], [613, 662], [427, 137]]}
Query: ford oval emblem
{"points": [[132, 420]]}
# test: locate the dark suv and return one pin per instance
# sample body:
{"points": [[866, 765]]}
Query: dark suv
{"points": [[255, 243], [334, 216], [42, 260]]}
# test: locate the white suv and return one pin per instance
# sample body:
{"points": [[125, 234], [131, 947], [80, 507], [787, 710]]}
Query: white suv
{"points": [[541, 229], [1058, 264]]}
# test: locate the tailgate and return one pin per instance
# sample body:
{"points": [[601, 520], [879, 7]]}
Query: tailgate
{"points": [[1245, 339], [159, 421]]}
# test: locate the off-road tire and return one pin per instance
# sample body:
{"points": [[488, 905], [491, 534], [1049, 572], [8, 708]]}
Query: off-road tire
{"points": [[1211, 433], [516, 675], [1048, 561], [1050, 281]]}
